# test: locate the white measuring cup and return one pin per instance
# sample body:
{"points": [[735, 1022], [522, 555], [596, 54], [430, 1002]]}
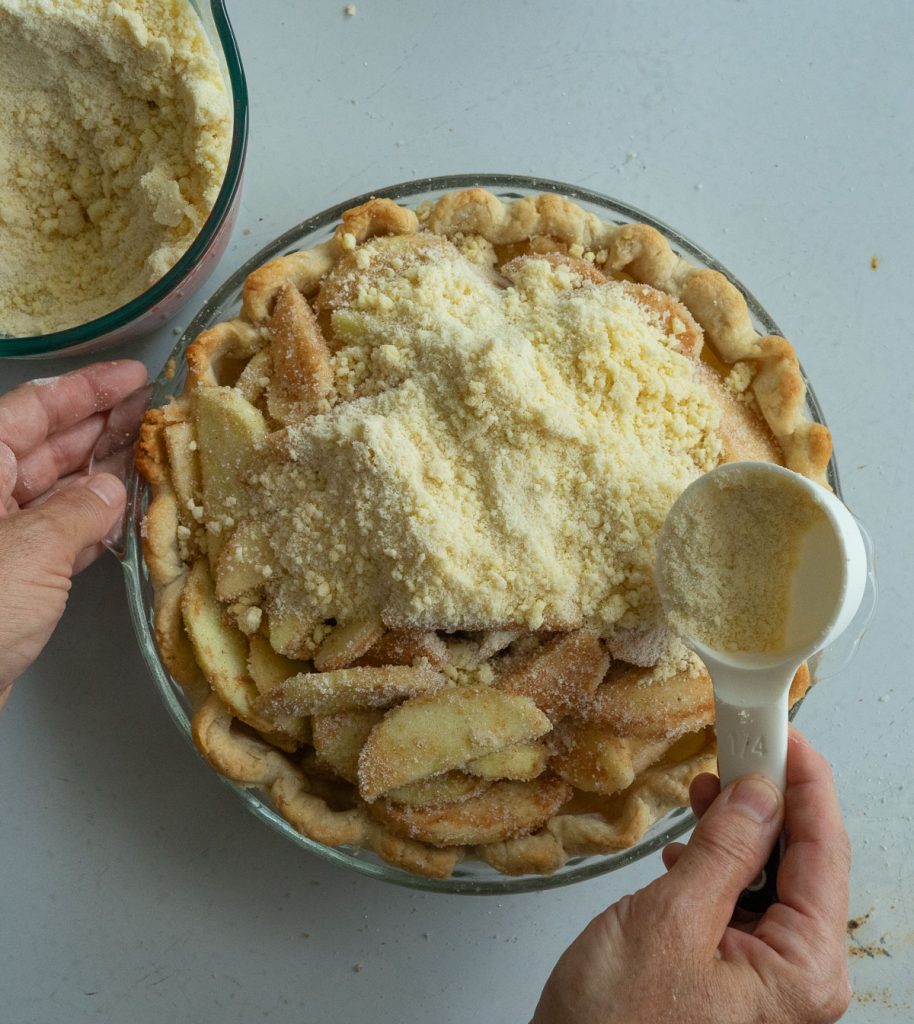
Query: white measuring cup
{"points": [[751, 687]]}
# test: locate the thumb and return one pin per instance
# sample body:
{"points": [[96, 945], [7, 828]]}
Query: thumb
{"points": [[728, 848], [82, 514], [8, 470]]}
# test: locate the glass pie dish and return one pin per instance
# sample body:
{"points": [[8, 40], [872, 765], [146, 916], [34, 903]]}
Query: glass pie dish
{"points": [[470, 876], [162, 300]]}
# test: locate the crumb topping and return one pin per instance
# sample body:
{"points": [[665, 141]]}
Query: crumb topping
{"points": [[495, 455], [728, 566]]}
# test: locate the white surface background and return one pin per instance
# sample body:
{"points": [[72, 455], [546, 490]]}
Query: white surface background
{"points": [[780, 137]]}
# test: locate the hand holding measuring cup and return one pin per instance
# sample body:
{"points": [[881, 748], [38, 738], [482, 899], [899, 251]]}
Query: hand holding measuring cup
{"points": [[758, 569], [53, 516]]}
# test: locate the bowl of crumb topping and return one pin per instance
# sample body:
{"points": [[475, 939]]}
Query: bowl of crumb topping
{"points": [[447, 707], [123, 131]]}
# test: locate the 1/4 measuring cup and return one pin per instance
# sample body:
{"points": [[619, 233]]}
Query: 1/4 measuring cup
{"points": [[826, 585]]}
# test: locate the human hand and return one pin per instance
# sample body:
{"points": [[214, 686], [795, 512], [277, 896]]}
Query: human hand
{"points": [[52, 517], [672, 952]]}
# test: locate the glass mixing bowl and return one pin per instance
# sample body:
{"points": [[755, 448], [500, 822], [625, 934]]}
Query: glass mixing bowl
{"points": [[159, 303], [470, 876]]}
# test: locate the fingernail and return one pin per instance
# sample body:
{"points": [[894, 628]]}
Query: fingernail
{"points": [[757, 798], [108, 488], [798, 737]]}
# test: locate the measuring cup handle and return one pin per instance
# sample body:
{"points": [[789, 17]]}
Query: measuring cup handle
{"points": [[755, 740], [752, 740], [763, 892]]}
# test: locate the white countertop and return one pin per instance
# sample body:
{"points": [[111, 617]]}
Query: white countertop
{"points": [[778, 136]]}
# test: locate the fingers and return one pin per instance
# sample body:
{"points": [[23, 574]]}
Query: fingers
{"points": [[33, 412], [727, 850], [87, 556], [813, 877], [8, 471], [807, 926], [39, 549], [63, 452], [671, 854], [703, 792], [117, 465], [80, 516], [124, 422]]}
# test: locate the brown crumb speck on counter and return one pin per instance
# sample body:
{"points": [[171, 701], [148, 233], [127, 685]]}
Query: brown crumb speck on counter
{"points": [[356, 968], [879, 997], [857, 949], [874, 263], [870, 951]]}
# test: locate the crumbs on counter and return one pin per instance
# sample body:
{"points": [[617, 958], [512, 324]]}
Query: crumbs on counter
{"points": [[869, 951], [874, 263], [879, 997], [856, 922], [858, 949]]}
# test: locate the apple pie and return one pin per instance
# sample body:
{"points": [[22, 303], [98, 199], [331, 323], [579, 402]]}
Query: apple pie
{"points": [[403, 521]]}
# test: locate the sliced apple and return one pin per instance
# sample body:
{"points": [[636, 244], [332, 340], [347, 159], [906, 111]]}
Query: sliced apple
{"points": [[520, 761], [221, 650], [180, 443], [347, 642], [593, 758], [631, 703], [241, 565], [267, 668], [406, 647], [444, 730], [349, 689], [502, 811], [290, 634], [561, 676], [222, 654], [446, 788], [338, 739], [301, 360], [255, 377], [228, 429]]}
